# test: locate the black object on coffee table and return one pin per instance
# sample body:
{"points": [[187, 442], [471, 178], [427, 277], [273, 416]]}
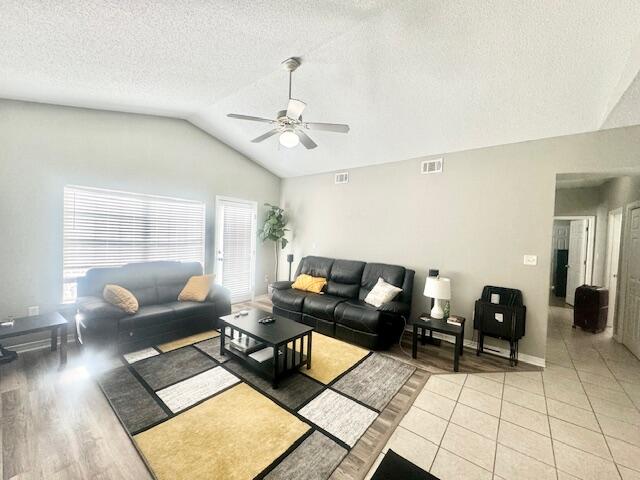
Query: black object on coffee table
{"points": [[54, 322], [425, 322], [286, 338]]}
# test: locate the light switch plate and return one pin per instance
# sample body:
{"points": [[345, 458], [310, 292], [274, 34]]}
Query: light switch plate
{"points": [[33, 311], [531, 260]]}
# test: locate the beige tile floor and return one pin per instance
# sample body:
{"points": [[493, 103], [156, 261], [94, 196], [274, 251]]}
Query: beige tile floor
{"points": [[579, 419]]}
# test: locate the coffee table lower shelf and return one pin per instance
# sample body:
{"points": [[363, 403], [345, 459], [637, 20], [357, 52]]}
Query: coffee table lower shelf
{"points": [[288, 359]]}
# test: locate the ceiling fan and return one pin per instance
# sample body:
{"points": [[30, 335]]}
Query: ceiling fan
{"points": [[288, 123]]}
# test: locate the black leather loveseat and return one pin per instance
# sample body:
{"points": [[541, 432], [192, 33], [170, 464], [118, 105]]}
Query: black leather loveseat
{"points": [[160, 318], [340, 311]]}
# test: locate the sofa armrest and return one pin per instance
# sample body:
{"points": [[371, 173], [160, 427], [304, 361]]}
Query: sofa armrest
{"points": [[98, 308], [398, 308], [218, 293], [284, 285]]}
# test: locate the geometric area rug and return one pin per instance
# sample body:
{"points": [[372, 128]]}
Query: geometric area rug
{"points": [[193, 413]]}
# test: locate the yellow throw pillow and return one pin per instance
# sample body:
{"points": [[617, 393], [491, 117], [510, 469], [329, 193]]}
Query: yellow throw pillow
{"points": [[121, 298], [196, 289], [307, 283]]}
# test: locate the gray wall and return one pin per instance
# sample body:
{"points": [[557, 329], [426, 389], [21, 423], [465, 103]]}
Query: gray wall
{"points": [[475, 221], [43, 148], [621, 191], [588, 202]]}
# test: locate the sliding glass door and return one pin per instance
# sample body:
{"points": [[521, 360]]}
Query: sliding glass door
{"points": [[235, 247]]}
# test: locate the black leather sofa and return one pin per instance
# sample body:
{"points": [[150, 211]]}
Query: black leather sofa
{"points": [[160, 318], [340, 311]]}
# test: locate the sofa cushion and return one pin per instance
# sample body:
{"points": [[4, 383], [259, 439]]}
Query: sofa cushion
{"points": [[345, 277], [307, 283], [392, 274], [358, 315], [193, 309], [147, 316], [382, 293], [290, 299], [120, 297], [97, 308], [321, 306], [196, 289], [315, 266], [172, 278]]}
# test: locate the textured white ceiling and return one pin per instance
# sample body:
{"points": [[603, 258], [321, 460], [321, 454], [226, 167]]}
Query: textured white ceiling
{"points": [[412, 78]]}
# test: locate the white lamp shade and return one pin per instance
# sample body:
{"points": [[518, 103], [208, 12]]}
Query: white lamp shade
{"points": [[438, 287]]}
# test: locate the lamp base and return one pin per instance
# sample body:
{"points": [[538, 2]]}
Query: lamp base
{"points": [[437, 311]]}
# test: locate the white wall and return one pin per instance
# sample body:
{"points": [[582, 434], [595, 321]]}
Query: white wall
{"points": [[43, 148], [475, 221]]}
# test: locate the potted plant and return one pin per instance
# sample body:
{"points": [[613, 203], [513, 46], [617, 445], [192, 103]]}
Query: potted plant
{"points": [[274, 230]]}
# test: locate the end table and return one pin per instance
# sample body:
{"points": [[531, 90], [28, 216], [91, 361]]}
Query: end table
{"points": [[425, 322]]}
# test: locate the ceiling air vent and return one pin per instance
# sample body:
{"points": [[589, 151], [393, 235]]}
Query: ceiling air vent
{"points": [[431, 166], [342, 177]]}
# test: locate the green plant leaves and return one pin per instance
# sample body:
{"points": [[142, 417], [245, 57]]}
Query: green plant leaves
{"points": [[274, 225]]}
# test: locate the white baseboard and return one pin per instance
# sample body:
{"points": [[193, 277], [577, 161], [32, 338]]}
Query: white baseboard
{"points": [[499, 351]]}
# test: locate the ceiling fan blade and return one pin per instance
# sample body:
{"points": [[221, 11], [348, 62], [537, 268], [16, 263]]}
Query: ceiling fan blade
{"points": [[249, 117], [295, 108], [306, 140], [264, 136], [328, 127]]}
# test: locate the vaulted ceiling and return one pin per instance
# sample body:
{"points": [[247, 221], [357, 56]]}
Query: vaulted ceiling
{"points": [[411, 77]]}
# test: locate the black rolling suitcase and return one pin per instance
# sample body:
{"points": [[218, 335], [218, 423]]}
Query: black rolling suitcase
{"points": [[591, 308]]}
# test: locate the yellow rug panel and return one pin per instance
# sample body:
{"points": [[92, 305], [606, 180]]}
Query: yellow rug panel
{"points": [[331, 357], [183, 342], [233, 436]]}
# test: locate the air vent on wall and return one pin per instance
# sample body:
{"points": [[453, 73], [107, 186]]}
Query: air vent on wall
{"points": [[342, 177], [431, 166]]}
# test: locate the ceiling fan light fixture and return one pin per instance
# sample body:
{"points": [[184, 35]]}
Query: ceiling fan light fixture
{"points": [[289, 139]]}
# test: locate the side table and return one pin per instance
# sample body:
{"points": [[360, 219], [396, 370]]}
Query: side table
{"points": [[54, 322], [425, 322]]}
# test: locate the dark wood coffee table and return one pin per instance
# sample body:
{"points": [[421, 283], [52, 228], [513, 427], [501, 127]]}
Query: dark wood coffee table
{"points": [[284, 336], [54, 322]]}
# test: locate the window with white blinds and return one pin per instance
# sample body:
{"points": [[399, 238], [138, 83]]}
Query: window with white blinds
{"points": [[105, 228], [235, 246]]}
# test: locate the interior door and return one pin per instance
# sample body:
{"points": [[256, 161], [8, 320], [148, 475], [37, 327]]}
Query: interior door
{"points": [[614, 260], [236, 246], [577, 265], [632, 297], [560, 241]]}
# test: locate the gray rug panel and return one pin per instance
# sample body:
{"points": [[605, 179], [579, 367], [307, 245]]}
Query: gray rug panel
{"points": [[314, 459], [171, 367], [375, 381], [135, 406], [292, 391], [212, 348]]}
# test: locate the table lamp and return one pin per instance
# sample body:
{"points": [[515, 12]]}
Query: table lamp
{"points": [[438, 288]]}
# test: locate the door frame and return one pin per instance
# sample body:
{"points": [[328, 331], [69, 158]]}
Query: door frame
{"points": [[591, 225], [619, 321], [611, 242], [254, 236]]}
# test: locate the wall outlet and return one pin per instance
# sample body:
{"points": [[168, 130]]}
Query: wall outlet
{"points": [[266, 279], [531, 260], [33, 311]]}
